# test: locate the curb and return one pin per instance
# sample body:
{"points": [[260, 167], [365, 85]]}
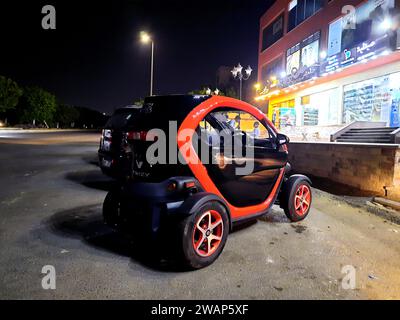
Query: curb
{"points": [[387, 202], [366, 204]]}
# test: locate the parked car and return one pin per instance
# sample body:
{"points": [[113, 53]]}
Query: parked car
{"points": [[193, 205], [114, 153]]}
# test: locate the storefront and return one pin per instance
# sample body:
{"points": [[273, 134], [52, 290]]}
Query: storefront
{"points": [[373, 100], [369, 96], [355, 76], [283, 114], [320, 108]]}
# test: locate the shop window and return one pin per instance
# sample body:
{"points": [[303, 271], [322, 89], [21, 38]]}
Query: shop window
{"points": [[283, 114], [309, 112], [320, 108], [300, 10], [309, 8], [372, 100], [318, 4], [272, 69], [305, 100], [272, 33], [292, 17]]}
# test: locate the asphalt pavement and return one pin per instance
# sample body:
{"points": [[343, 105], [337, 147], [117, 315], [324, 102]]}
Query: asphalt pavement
{"points": [[50, 214]]}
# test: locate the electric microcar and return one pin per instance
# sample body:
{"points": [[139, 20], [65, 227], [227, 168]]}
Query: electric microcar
{"points": [[198, 166]]}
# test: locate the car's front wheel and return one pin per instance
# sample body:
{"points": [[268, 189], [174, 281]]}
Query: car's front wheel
{"points": [[203, 235], [298, 202]]}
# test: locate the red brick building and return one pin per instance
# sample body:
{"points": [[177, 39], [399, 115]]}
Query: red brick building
{"points": [[326, 63]]}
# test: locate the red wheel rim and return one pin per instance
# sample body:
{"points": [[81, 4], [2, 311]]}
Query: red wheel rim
{"points": [[207, 233], [302, 199]]}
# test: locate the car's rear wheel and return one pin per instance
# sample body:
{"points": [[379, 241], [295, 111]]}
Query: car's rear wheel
{"points": [[111, 207], [204, 234], [299, 200]]}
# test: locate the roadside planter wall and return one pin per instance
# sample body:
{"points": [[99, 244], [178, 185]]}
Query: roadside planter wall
{"points": [[368, 167]]}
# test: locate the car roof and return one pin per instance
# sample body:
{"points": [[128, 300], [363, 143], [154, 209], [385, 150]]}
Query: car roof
{"points": [[183, 102]]}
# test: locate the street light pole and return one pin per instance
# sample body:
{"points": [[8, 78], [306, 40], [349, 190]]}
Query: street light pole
{"points": [[238, 74], [145, 38], [152, 68], [240, 88]]}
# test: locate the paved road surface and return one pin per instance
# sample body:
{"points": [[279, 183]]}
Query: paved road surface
{"points": [[50, 214]]}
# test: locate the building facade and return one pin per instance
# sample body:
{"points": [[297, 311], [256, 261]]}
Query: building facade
{"points": [[327, 63]]}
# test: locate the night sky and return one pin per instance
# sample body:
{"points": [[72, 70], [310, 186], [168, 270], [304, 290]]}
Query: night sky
{"points": [[95, 59]]}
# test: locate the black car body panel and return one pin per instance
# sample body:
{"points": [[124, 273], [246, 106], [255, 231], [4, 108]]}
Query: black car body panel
{"points": [[121, 159]]}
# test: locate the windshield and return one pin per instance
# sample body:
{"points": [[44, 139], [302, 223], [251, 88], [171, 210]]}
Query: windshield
{"points": [[159, 111], [120, 118]]}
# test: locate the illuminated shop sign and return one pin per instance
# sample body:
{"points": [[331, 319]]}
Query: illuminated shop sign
{"points": [[332, 63], [373, 48], [348, 56], [302, 61], [310, 54], [362, 53], [335, 38], [360, 36]]}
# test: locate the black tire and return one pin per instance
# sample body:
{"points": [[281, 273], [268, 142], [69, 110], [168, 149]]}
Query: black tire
{"points": [[111, 207], [191, 258], [290, 203]]}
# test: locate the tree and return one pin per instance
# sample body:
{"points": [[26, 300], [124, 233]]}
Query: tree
{"points": [[139, 102], [37, 104], [231, 92], [202, 91], [9, 94], [91, 119], [65, 115]]}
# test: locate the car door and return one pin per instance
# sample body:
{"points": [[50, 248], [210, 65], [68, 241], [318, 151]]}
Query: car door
{"points": [[245, 169]]}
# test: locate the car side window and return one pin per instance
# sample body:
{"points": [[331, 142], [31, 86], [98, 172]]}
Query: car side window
{"points": [[261, 150], [207, 133], [238, 120]]}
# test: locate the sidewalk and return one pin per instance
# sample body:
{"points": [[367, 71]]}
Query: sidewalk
{"points": [[365, 203]]}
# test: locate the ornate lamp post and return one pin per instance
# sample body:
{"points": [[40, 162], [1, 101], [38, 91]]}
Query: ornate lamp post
{"points": [[237, 73], [215, 92]]}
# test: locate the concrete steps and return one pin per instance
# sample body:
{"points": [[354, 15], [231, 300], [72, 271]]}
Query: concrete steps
{"points": [[368, 135]]}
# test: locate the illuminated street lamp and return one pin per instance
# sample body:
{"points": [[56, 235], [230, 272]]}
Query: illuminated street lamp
{"points": [[257, 87], [237, 73], [386, 24], [145, 38]]}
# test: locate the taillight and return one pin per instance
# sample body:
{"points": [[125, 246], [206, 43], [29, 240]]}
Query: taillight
{"points": [[190, 184], [107, 133], [136, 135], [105, 140], [141, 135]]}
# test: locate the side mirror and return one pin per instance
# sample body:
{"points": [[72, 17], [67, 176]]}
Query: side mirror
{"points": [[282, 139]]}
